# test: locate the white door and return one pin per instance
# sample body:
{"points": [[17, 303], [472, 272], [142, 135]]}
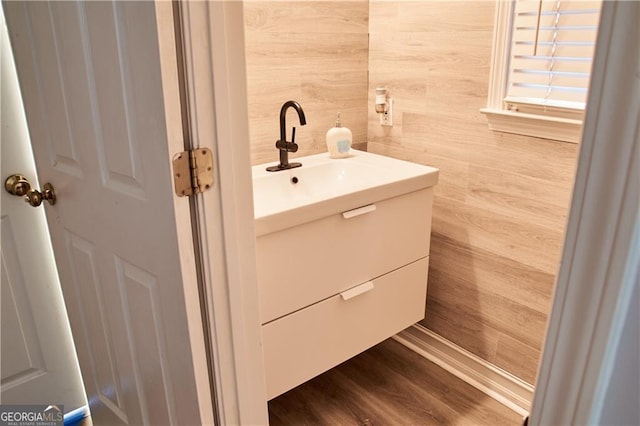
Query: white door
{"points": [[38, 360], [99, 83]]}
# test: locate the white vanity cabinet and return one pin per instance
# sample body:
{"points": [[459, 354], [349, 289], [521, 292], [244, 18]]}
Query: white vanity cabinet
{"points": [[335, 286]]}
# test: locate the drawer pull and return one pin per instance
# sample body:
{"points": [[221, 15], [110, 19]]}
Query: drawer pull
{"points": [[360, 210], [357, 291]]}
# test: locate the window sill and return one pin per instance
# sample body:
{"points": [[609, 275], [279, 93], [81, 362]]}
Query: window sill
{"points": [[540, 126]]}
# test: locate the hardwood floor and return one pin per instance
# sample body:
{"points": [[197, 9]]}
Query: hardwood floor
{"points": [[388, 385]]}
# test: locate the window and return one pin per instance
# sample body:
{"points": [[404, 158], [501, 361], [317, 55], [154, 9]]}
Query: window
{"points": [[541, 67]]}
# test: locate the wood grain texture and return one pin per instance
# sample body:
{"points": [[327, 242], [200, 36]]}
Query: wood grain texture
{"points": [[314, 52], [501, 204], [502, 201], [388, 385]]}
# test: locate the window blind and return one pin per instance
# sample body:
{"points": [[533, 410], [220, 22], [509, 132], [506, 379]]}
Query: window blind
{"points": [[552, 48]]}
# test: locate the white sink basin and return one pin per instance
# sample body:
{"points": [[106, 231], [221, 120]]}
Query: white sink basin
{"points": [[323, 186], [314, 181]]}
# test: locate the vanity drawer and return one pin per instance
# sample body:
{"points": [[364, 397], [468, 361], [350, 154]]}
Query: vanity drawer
{"points": [[308, 342], [304, 264]]}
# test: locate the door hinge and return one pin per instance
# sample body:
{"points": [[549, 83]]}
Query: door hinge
{"points": [[193, 171]]}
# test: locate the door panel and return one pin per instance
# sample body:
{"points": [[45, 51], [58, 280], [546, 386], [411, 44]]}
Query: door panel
{"points": [[38, 360], [22, 355], [98, 98], [139, 293], [113, 99], [95, 334]]}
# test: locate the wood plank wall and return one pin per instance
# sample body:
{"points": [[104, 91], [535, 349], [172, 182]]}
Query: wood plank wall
{"points": [[314, 52], [502, 201]]}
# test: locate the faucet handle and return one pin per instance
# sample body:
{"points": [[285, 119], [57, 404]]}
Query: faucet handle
{"points": [[292, 146], [284, 145]]}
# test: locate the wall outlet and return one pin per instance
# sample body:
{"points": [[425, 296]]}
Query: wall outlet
{"points": [[386, 118]]}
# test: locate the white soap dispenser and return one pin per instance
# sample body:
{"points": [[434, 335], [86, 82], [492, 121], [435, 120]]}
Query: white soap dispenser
{"points": [[339, 140]]}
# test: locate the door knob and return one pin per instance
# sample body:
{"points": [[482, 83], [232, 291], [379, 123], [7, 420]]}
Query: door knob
{"points": [[19, 186]]}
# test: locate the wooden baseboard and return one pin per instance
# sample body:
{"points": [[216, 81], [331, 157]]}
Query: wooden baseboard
{"points": [[484, 376]]}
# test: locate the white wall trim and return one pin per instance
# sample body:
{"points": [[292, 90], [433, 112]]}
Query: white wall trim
{"points": [[501, 49], [213, 35], [594, 274], [539, 126], [501, 119], [482, 375]]}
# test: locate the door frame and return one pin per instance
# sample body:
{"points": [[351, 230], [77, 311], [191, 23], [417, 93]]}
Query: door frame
{"points": [[600, 260], [218, 89], [214, 66]]}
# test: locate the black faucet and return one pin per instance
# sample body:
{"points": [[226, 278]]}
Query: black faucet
{"points": [[283, 146]]}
